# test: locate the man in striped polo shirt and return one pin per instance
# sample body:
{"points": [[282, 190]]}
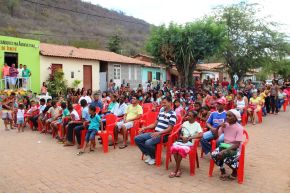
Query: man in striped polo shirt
{"points": [[163, 125]]}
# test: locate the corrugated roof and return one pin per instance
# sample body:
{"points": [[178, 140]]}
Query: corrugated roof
{"points": [[209, 66], [83, 53]]}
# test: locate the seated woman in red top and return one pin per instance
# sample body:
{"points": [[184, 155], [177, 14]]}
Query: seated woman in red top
{"points": [[228, 152]]}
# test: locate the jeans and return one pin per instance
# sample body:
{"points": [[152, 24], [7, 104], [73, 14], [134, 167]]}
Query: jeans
{"points": [[280, 103], [147, 144], [268, 104], [206, 138], [274, 104], [70, 131], [264, 111], [78, 130]]}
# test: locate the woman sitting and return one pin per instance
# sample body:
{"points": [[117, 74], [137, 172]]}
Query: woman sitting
{"points": [[190, 130], [178, 108], [241, 102], [254, 107], [228, 152]]}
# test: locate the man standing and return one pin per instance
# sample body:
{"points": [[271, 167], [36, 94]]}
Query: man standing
{"points": [[214, 121], [25, 74], [5, 75], [163, 125], [20, 69], [132, 113], [13, 72]]}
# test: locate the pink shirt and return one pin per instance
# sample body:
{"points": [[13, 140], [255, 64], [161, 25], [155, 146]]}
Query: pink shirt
{"points": [[178, 110], [232, 133]]}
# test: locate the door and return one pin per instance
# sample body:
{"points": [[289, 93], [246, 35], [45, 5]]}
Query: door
{"points": [[55, 67], [87, 77], [11, 58], [149, 76], [117, 74], [103, 81]]}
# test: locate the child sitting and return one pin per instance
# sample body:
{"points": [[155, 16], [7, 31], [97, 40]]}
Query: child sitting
{"points": [[54, 111], [61, 119], [20, 118], [95, 124], [190, 130], [31, 112]]}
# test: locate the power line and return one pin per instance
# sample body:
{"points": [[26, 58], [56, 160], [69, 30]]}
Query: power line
{"points": [[94, 15], [55, 35]]}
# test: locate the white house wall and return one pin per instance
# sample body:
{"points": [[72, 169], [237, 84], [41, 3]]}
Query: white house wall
{"points": [[70, 65]]}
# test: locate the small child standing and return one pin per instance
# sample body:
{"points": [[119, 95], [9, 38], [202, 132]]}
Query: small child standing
{"points": [[95, 123], [20, 117]]}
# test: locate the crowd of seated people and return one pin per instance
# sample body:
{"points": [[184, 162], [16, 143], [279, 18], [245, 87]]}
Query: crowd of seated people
{"points": [[209, 111]]}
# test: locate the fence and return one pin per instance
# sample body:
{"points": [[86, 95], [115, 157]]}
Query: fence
{"points": [[15, 83]]}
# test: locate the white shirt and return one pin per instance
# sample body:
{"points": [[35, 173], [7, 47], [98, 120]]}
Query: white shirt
{"points": [[20, 72], [87, 98], [119, 110], [20, 114], [76, 115]]}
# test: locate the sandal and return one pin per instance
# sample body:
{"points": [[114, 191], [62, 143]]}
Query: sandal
{"points": [[172, 175], [178, 174], [223, 176], [92, 150], [229, 178], [68, 144], [80, 153], [123, 146]]}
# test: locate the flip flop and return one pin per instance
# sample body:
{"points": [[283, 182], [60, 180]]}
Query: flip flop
{"points": [[178, 174], [172, 175], [80, 153], [92, 150], [122, 146], [229, 178]]}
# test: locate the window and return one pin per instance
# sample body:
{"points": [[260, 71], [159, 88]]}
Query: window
{"points": [[135, 72], [117, 72], [158, 74], [72, 74], [130, 72]]}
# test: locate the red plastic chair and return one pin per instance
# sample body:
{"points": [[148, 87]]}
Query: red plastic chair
{"points": [[260, 116], [241, 167], [148, 118], [171, 137], [134, 131], [286, 103], [193, 158]]}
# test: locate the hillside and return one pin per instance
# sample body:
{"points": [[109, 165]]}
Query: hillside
{"points": [[63, 22]]}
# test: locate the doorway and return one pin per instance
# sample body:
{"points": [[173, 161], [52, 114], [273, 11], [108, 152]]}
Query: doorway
{"points": [[87, 77], [11, 58], [149, 76]]}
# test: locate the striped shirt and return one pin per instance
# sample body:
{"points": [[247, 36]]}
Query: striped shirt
{"points": [[165, 119]]}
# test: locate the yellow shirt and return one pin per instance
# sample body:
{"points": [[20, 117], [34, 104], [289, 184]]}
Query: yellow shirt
{"points": [[256, 101], [132, 112], [263, 95]]}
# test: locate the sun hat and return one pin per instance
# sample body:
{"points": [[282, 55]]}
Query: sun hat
{"points": [[236, 113]]}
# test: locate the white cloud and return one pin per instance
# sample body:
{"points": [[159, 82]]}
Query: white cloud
{"points": [[182, 11]]}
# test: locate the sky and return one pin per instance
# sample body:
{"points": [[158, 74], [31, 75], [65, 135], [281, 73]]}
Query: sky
{"points": [[181, 11]]}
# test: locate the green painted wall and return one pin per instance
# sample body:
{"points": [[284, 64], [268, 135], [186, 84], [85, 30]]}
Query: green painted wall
{"points": [[145, 71], [28, 54]]}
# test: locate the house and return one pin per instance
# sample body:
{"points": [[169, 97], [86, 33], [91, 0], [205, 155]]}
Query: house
{"points": [[21, 51], [94, 68], [212, 70], [151, 71]]}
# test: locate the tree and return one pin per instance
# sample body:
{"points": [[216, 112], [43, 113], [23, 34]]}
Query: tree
{"points": [[56, 84], [251, 41], [114, 43], [11, 5], [185, 45]]}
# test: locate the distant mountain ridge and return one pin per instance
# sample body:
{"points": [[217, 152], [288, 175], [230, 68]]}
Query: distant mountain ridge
{"points": [[72, 22]]}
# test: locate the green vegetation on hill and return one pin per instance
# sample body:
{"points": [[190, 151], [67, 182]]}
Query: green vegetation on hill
{"points": [[63, 22]]}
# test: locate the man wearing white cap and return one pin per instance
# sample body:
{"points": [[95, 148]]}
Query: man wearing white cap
{"points": [[228, 151]]}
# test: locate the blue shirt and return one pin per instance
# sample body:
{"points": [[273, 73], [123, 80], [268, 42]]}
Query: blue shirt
{"points": [[216, 118], [95, 122], [97, 103], [85, 113]]}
